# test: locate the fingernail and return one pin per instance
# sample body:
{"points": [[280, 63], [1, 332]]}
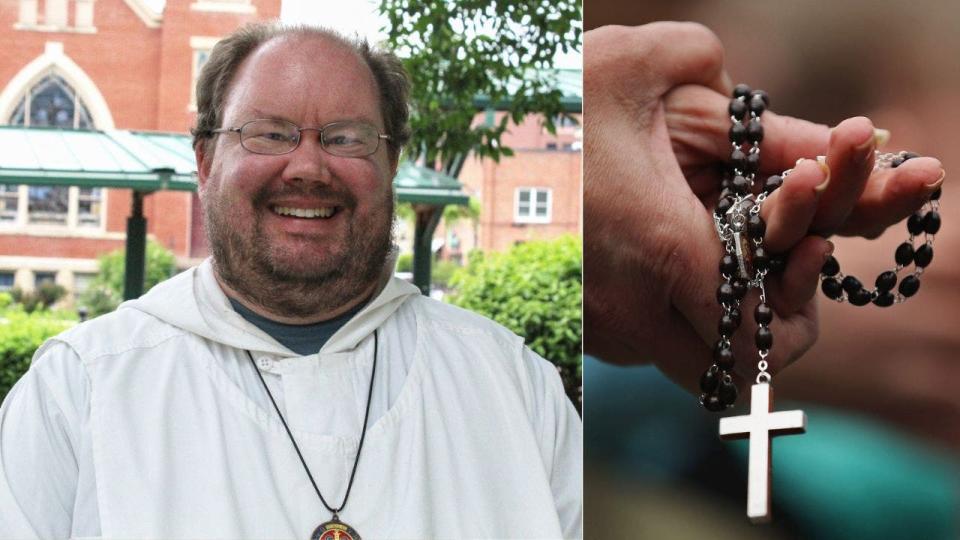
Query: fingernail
{"points": [[865, 150], [829, 251], [933, 187], [881, 136], [822, 161]]}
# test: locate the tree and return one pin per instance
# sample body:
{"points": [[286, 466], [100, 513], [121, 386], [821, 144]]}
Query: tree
{"points": [[464, 56], [458, 50], [535, 290]]}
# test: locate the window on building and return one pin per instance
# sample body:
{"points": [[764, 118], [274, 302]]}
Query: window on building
{"points": [[82, 282], [44, 277], [51, 102], [201, 45], [532, 205], [88, 207], [55, 15], [6, 281], [9, 199], [564, 121], [48, 204]]}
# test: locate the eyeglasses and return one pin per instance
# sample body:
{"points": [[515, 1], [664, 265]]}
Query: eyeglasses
{"points": [[274, 137]]}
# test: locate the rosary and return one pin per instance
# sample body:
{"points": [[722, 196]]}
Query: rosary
{"points": [[746, 264]]}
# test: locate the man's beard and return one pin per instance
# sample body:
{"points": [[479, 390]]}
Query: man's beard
{"points": [[248, 264]]}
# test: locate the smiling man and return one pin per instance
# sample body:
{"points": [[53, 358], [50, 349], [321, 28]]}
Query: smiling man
{"points": [[290, 387]]}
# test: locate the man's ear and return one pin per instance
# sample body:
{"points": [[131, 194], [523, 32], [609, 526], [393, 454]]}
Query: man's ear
{"points": [[203, 163]]}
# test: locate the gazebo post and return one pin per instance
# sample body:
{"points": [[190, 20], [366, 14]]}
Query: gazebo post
{"points": [[427, 218], [136, 257]]}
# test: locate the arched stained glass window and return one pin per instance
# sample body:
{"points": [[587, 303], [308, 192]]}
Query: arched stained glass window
{"points": [[52, 102]]}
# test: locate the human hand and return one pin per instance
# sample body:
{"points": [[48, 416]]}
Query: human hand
{"points": [[659, 92]]}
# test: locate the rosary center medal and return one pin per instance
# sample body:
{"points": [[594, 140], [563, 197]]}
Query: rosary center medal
{"points": [[334, 530]]}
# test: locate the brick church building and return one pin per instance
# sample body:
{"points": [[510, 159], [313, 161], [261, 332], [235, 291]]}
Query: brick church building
{"points": [[101, 64]]}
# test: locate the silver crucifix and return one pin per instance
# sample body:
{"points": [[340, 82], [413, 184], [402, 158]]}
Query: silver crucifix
{"points": [[761, 425]]}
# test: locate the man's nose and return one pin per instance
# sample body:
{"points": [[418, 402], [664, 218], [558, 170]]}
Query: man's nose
{"points": [[309, 161]]}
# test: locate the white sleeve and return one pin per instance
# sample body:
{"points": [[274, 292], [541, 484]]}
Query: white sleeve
{"points": [[561, 442], [39, 438]]}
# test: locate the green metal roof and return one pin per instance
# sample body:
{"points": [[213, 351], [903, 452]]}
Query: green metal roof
{"points": [[152, 161]]}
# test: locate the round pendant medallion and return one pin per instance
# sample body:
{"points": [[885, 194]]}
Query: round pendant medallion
{"points": [[334, 530]]}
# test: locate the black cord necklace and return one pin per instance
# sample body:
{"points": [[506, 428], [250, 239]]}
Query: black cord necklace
{"points": [[333, 529]]}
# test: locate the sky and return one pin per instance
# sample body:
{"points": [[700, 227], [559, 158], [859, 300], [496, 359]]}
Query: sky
{"points": [[349, 16]]}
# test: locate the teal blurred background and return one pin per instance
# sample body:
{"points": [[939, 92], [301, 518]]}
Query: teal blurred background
{"points": [[881, 456]]}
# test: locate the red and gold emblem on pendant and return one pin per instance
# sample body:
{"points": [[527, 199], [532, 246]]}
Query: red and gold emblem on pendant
{"points": [[334, 530]]}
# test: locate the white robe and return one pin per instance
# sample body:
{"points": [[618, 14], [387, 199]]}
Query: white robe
{"points": [[150, 422]]}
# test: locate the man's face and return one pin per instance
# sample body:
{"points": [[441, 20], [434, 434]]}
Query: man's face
{"points": [[298, 266]]}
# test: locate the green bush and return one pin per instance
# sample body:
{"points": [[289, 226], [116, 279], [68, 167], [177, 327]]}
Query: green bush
{"points": [[405, 262], [161, 264], [535, 290], [106, 291], [46, 295], [98, 300], [442, 273], [21, 334]]}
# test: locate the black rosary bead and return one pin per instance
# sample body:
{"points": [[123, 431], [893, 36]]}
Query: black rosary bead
{"points": [[896, 162], [763, 314], [931, 222], [772, 183], [728, 265], [725, 293], [884, 299], [723, 205], [831, 287], [738, 159], [851, 284], [727, 325], [713, 404], [756, 228], [915, 224], [904, 254], [764, 338], [923, 255], [741, 91], [831, 266], [936, 194], [737, 108], [860, 297], [738, 133], [728, 391], [755, 131], [886, 281], [753, 163], [727, 179], [710, 379], [761, 261], [777, 263], [739, 288], [740, 185], [757, 103], [723, 355], [762, 95], [909, 286], [736, 314]]}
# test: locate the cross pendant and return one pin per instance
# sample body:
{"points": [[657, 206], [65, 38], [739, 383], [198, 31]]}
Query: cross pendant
{"points": [[761, 425]]}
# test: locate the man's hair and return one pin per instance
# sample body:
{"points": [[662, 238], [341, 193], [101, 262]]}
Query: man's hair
{"points": [[216, 76]]}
